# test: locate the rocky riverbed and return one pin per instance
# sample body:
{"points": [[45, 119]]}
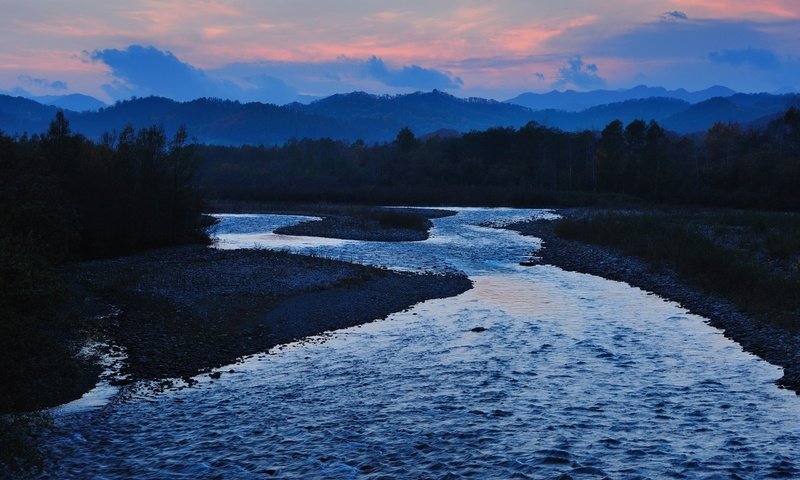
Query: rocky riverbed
{"points": [[184, 310], [773, 344]]}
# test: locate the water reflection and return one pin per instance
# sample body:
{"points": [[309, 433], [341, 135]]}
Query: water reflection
{"points": [[534, 373]]}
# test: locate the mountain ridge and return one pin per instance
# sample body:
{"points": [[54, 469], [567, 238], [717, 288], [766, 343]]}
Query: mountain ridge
{"points": [[574, 101], [378, 118]]}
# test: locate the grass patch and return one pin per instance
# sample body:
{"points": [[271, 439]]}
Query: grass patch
{"points": [[709, 261], [401, 220]]}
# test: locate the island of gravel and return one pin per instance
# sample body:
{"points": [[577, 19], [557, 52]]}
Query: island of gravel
{"points": [[773, 344], [348, 222], [180, 311]]}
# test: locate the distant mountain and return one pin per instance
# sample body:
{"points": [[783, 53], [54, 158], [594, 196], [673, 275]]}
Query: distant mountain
{"points": [[76, 102], [347, 117], [740, 108], [374, 118], [20, 115], [381, 117], [212, 121], [676, 115], [596, 118], [572, 101]]}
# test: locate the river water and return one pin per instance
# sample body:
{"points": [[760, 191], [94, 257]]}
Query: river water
{"points": [[574, 376]]}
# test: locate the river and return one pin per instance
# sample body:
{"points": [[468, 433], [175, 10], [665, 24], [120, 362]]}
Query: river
{"points": [[534, 373]]}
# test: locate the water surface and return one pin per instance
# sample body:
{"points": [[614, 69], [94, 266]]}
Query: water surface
{"points": [[572, 375]]}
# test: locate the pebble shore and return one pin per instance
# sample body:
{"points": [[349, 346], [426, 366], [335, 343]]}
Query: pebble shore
{"points": [[185, 310]]}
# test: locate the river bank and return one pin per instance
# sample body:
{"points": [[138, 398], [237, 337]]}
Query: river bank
{"points": [[181, 311], [774, 344]]}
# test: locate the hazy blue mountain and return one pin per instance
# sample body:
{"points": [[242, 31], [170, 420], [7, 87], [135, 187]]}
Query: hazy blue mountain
{"points": [[596, 118], [381, 117], [378, 118], [347, 117], [673, 114], [212, 121], [75, 101], [573, 101], [21, 115], [740, 108]]}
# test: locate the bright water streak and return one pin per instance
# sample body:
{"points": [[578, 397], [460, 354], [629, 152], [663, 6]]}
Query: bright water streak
{"points": [[573, 375]]}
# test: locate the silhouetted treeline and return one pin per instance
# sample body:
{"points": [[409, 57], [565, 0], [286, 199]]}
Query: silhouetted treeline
{"points": [[726, 166], [62, 198], [131, 191]]}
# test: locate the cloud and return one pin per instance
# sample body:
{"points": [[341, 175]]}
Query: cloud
{"points": [[678, 53], [42, 83], [150, 71], [753, 57], [579, 74], [412, 76], [673, 16], [141, 71], [688, 39]]}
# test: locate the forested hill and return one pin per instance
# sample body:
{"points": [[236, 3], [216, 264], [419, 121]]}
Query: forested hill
{"points": [[381, 117], [346, 117], [358, 115], [533, 165], [675, 114]]}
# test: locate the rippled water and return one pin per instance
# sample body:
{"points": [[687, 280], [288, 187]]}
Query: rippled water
{"points": [[574, 376]]}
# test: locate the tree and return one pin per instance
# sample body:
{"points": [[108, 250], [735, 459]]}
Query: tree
{"points": [[406, 140], [610, 157], [722, 145], [635, 141]]}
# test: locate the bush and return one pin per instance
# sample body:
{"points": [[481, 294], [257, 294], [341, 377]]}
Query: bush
{"points": [[402, 220]]}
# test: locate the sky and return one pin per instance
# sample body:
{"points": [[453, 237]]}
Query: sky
{"points": [[280, 51]]}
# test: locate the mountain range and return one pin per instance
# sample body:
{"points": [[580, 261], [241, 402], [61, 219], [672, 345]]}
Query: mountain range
{"points": [[572, 101], [77, 102], [374, 118]]}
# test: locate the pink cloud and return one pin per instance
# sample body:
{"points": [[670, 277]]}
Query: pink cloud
{"points": [[740, 8], [529, 38], [162, 17], [73, 26]]}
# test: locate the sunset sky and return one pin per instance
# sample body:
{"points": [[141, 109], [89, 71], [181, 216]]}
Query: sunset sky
{"points": [[277, 50]]}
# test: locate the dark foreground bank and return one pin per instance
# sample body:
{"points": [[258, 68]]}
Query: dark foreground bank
{"points": [[777, 345], [181, 311]]}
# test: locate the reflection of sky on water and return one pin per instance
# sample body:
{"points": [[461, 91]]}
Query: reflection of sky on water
{"points": [[573, 375]]}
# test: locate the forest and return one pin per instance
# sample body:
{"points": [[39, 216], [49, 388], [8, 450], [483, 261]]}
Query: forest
{"points": [[532, 166], [64, 198]]}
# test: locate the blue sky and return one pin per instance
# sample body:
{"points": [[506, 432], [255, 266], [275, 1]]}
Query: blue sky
{"points": [[278, 51]]}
